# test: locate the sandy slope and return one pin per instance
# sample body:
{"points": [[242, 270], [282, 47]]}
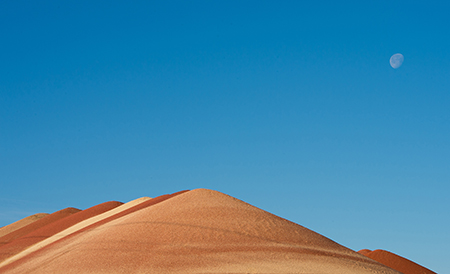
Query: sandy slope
{"points": [[75, 228], [84, 227], [50, 229], [364, 251], [37, 224], [396, 262], [200, 231], [21, 223]]}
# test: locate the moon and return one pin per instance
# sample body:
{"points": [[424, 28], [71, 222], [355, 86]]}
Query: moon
{"points": [[396, 60]]}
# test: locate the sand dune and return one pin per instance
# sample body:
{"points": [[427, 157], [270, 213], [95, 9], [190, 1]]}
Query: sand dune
{"points": [[396, 262], [21, 223], [199, 231], [36, 225], [364, 251], [90, 224], [73, 229], [52, 228]]}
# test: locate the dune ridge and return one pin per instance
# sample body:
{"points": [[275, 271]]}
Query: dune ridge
{"points": [[73, 229], [21, 223], [52, 228], [37, 224], [364, 251], [396, 262], [198, 231], [137, 204]]}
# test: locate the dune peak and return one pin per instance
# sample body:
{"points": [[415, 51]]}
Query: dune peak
{"points": [[196, 231]]}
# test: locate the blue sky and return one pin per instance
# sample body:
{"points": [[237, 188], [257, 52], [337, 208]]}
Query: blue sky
{"points": [[292, 107]]}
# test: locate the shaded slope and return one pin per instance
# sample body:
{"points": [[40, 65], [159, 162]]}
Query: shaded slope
{"points": [[136, 205], [74, 228], [37, 224], [52, 228], [364, 251], [397, 262], [196, 231], [21, 223]]}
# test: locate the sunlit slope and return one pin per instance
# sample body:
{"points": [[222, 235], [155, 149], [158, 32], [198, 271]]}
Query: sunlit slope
{"points": [[35, 236], [195, 231], [21, 223], [73, 229], [37, 225]]}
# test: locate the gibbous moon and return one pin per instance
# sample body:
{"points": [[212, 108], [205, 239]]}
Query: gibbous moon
{"points": [[396, 60]]}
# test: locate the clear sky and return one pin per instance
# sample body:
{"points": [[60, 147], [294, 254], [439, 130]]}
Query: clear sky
{"points": [[291, 106]]}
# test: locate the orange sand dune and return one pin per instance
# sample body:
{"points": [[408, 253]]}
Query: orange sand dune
{"points": [[44, 232], [396, 262], [364, 251], [135, 205], [131, 210], [199, 231], [21, 223], [37, 224], [73, 229]]}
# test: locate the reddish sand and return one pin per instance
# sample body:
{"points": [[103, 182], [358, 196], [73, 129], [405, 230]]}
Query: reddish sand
{"points": [[396, 262], [50, 229], [128, 211], [21, 223], [8, 264], [364, 251], [37, 224], [74, 229], [201, 231]]}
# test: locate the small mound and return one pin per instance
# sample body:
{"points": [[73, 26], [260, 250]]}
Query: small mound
{"points": [[21, 223], [397, 262], [364, 251], [37, 224]]}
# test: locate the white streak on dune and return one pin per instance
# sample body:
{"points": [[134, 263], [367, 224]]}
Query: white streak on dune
{"points": [[74, 229]]}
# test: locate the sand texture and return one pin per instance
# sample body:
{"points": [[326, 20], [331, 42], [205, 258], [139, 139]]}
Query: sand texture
{"points": [[396, 262], [21, 223], [52, 228], [198, 231], [37, 224], [77, 227]]}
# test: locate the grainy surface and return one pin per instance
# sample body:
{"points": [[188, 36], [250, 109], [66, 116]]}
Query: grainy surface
{"points": [[37, 224], [74, 228], [396, 262], [21, 223], [133, 206], [199, 231], [52, 228]]}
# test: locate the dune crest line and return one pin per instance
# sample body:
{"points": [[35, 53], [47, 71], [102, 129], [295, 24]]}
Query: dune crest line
{"points": [[197, 231]]}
